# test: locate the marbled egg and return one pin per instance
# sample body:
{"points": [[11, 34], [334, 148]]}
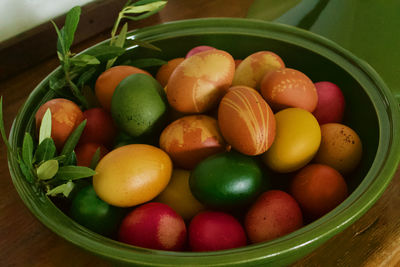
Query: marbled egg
{"points": [[191, 139], [254, 67], [289, 88], [246, 121], [200, 81]]}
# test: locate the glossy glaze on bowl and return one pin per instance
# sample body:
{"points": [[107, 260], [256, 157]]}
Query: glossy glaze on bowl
{"points": [[371, 111]]}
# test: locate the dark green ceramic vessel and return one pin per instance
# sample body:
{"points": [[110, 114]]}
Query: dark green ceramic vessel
{"points": [[371, 111]]}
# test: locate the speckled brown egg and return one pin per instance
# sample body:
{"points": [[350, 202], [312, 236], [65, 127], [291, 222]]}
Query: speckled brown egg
{"points": [[246, 121], [191, 139], [254, 67], [340, 148], [200, 81], [285, 88]]}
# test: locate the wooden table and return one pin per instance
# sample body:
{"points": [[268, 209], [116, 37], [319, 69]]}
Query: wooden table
{"points": [[372, 241]]}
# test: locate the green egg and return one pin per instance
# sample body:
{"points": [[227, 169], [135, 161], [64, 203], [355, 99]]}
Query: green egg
{"points": [[227, 181], [139, 105]]}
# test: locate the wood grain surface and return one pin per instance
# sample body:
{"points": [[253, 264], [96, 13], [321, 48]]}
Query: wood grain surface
{"points": [[373, 240]]}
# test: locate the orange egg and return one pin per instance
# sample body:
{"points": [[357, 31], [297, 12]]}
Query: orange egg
{"points": [[285, 88], [253, 68], [191, 139], [65, 117], [166, 70], [246, 121], [318, 189], [200, 81], [340, 148]]}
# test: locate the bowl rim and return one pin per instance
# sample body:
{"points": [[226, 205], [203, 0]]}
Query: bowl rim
{"points": [[365, 195]]}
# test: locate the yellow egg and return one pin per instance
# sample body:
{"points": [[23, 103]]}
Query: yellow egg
{"points": [[297, 140], [131, 175], [178, 196]]}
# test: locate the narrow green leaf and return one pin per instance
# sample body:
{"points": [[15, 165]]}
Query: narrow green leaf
{"points": [[83, 60], [70, 159], [61, 51], [145, 62], [26, 172], [56, 83], [95, 159], [64, 189], [86, 76], [132, 43], [45, 126], [128, 3], [78, 94], [74, 172], [60, 56], [71, 23], [27, 149], [45, 150], [73, 139], [119, 42], [105, 52], [47, 169], [144, 2], [141, 7], [60, 159]]}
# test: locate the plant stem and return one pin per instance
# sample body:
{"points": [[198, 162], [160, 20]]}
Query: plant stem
{"points": [[115, 28], [75, 90]]}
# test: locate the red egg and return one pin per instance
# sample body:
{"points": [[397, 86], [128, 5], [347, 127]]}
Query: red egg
{"points": [[285, 88], [274, 214], [153, 225], [191, 139], [100, 127], [246, 121], [212, 230], [331, 103], [85, 152]]}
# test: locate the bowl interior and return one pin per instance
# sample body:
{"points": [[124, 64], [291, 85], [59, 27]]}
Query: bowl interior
{"points": [[359, 105], [368, 112]]}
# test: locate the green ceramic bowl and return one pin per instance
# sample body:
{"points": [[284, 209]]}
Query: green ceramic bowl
{"points": [[371, 111]]}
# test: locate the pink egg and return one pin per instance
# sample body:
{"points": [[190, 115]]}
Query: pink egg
{"points": [[331, 103], [198, 49]]}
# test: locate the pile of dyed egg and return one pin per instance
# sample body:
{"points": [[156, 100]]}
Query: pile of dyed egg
{"points": [[192, 157]]}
